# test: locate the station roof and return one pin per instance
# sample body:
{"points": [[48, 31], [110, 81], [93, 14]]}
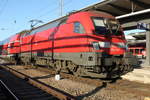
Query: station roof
{"points": [[137, 43], [139, 36], [136, 39], [128, 12], [120, 9]]}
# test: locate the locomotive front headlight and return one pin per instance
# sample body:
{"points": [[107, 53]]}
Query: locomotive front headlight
{"points": [[104, 44]]}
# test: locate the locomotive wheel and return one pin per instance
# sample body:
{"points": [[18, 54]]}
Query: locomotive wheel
{"points": [[73, 69], [78, 72], [58, 67], [114, 71]]}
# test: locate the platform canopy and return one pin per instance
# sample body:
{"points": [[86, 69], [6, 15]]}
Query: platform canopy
{"points": [[128, 12], [139, 36]]}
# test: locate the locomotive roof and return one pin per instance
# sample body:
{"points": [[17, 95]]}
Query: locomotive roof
{"points": [[58, 19], [121, 7], [128, 12], [56, 22]]}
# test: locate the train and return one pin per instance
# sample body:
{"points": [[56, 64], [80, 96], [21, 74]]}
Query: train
{"points": [[139, 51], [84, 43]]}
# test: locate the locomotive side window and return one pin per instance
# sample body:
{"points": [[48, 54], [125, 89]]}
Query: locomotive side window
{"points": [[78, 28], [136, 51], [141, 50], [131, 50]]}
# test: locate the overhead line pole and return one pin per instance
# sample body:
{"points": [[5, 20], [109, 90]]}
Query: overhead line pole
{"points": [[61, 7]]}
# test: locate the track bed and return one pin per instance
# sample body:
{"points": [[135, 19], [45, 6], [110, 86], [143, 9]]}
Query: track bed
{"points": [[22, 89], [119, 90]]}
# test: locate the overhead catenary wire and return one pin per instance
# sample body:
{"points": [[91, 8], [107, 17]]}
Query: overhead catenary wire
{"points": [[61, 7], [52, 10], [56, 8], [30, 18], [51, 4]]}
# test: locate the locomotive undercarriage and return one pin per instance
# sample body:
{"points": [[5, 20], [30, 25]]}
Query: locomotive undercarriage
{"points": [[84, 64]]}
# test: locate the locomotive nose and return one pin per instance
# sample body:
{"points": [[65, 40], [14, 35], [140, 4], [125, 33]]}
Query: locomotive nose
{"points": [[117, 48], [111, 48]]}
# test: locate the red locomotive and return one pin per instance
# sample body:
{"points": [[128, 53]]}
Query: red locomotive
{"points": [[87, 43]]}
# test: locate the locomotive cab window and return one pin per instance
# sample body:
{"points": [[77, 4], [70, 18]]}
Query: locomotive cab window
{"points": [[78, 28], [100, 27], [106, 26]]}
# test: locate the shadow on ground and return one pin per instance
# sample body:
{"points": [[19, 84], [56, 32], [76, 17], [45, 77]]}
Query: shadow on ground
{"points": [[141, 63], [92, 92], [97, 89]]}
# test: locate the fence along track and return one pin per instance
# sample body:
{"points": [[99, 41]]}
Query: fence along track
{"points": [[51, 90]]}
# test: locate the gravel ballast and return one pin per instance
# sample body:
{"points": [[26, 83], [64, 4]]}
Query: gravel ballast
{"points": [[82, 91]]}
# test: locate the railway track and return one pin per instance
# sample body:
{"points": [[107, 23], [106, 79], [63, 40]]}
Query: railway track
{"points": [[14, 88], [6, 93], [119, 84], [23, 89], [124, 85]]}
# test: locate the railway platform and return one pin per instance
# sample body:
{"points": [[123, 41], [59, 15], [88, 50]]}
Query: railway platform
{"points": [[140, 74]]}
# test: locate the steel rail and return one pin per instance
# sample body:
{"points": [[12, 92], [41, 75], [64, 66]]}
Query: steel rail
{"points": [[116, 83], [49, 89], [10, 95]]}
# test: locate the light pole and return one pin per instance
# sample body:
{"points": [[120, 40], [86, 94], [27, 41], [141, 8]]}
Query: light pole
{"points": [[61, 7]]}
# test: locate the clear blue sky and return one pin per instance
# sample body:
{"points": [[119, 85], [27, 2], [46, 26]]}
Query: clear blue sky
{"points": [[16, 14]]}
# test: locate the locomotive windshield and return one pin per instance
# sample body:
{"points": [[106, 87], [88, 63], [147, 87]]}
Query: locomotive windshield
{"points": [[105, 26]]}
